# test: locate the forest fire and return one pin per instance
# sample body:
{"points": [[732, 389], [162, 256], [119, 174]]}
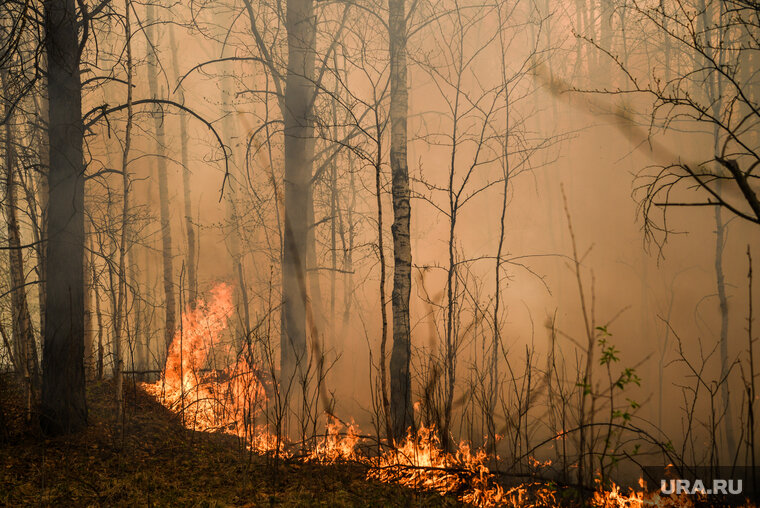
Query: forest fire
{"points": [[501, 251], [333, 447], [220, 401], [210, 400], [207, 399], [420, 462]]}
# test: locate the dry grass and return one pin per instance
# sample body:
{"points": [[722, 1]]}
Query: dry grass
{"points": [[156, 461]]}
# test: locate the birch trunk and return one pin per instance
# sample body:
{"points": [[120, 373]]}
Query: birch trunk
{"points": [[401, 384]]}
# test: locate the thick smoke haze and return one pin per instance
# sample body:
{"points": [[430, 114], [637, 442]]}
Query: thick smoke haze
{"points": [[577, 152]]}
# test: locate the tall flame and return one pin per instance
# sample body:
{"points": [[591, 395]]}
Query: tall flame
{"points": [[192, 343], [208, 399]]}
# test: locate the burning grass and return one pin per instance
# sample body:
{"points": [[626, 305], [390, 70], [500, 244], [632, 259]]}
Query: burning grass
{"points": [[420, 462], [229, 400], [155, 461]]}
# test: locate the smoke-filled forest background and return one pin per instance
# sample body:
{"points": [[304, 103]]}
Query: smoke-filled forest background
{"points": [[525, 224]]}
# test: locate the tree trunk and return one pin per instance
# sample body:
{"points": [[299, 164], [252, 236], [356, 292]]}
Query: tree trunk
{"points": [[381, 255], [605, 34], [401, 383], [99, 317], [163, 185], [493, 370], [312, 268], [32, 192], [233, 233], [41, 177], [720, 280], [708, 18], [25, 351], [89, 317], [334, 213], [299, 154], [121, 298], [141, 336], [64, 408], [347, 235], [192, 280]]}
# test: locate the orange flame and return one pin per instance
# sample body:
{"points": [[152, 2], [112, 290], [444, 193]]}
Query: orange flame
{"points": [[420, 462], [615, 498], [207, 399], [192, 343], [223, 400], [333, 447]]}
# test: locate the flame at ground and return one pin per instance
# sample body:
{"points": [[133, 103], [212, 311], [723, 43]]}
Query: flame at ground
{"points": [[225, 401], [420, 462], [334, 447], [615, 498], [212, 400], [208, 399]]}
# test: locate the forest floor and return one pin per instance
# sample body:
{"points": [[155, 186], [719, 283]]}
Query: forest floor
{"points": [[156, 461]]}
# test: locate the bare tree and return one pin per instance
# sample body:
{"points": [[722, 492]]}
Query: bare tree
{"points": [[151, 33], [192, 278], [689, 95], [24, 345], [402, 414], [120, 307], [299, 155], [64, 408]]}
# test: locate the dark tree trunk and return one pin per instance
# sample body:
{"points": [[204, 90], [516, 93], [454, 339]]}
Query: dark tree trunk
{"points": [[299, 153], [401, 384], [64, 408]]}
